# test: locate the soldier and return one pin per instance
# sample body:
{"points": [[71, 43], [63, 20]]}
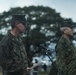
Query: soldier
{"points": [[66, 53], [14, 56]]}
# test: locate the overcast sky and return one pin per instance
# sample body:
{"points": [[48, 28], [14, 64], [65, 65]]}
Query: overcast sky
{"points": [[67, 8]]}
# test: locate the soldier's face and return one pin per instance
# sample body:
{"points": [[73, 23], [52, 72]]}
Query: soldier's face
{"points": [[69, 32], [21, 27]]}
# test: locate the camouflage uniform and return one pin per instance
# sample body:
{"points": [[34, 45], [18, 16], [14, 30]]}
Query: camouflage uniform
{"points": [[14, 57], [66, 57]]}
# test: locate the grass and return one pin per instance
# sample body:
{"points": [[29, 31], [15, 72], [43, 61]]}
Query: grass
{"points": [[0, 73], [43, 73], [40, 73]]}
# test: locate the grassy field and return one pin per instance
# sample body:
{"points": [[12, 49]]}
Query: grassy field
{"points": [[43, 73], [40, 73], [0, 73]]}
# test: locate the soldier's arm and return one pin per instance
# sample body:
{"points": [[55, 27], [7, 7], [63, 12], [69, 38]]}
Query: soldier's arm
{"points": [[59, 47], [5, 53]]}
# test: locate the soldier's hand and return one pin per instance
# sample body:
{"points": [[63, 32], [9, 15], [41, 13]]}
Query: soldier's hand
{"points": [[28, 69]]}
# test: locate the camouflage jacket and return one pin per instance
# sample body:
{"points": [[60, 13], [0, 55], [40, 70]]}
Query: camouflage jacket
{"points": [[66, 56], [14, 56]]}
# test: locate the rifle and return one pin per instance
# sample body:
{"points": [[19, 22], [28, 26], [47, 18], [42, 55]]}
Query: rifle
{"points": [[53, 63], [32, 68]]}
